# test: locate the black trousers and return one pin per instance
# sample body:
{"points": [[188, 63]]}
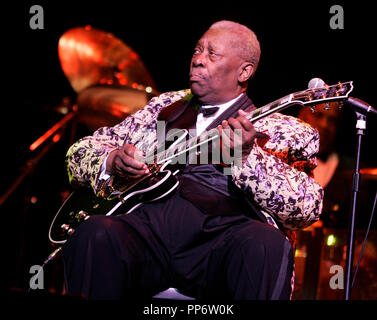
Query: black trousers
{"points": [[173, 244]]}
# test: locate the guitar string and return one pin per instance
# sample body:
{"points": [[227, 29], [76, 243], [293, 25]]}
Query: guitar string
{"points": [[307, 95]]}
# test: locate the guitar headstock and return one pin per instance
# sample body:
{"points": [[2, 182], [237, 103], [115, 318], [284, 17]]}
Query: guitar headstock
{"points": [[314, 96], [311, 97]]}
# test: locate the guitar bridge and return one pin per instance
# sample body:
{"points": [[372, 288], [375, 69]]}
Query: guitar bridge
{"points": [[120, 198], [155, 167]]}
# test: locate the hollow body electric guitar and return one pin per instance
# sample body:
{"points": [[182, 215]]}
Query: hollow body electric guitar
{"points": [[129, 193]]}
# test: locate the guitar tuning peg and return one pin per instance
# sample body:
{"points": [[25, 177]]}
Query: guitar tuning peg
{"points": [[312, 109], [326, 107], [340, 104]]}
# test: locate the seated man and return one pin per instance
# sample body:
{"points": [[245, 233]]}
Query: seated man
{"points": [[212, 236]]}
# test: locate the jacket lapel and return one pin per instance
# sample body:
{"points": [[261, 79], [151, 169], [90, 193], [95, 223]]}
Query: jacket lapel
{"points": [[174, 110], [171, 113], [243, 103]]}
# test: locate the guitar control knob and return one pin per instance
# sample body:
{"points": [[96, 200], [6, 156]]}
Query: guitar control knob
{"points": [[82, 215], [67, 228]]}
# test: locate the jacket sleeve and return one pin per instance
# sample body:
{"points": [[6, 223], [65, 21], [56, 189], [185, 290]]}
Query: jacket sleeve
{"points": [[85, 157], [278, 175]]}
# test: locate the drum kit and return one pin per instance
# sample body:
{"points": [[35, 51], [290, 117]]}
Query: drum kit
{"points": [[110, 81], [108, 76]]}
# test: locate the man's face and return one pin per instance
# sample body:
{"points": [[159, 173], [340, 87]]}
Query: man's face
{"points": [[214, 69]]}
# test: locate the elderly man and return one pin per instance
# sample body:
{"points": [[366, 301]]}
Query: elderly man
{"points": [[212, 236]]}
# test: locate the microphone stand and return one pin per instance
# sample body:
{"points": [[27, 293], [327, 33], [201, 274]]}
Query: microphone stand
{"points": [[42, 145], [360, 128], [52, 136]]}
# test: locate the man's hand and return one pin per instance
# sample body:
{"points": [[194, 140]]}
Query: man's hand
{"points": [[243, 137], [126, 161]]}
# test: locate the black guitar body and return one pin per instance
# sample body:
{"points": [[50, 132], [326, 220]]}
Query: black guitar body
{"points": [[83, 203]]}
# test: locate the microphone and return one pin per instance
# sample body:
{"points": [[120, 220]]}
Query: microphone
{"points": [[360, 106], [355, 103], [316, 83]]}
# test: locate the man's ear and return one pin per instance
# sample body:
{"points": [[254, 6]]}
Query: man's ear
{"points": [[246, 71]]}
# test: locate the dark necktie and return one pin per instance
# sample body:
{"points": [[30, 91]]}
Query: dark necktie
{"points": [[208, 111]]}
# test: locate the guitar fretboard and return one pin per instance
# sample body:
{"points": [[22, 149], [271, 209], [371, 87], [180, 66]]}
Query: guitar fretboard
{"points": [[308, 97]]}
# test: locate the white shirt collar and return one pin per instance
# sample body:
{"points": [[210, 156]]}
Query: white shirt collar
{"points": [[203, 122], [224, 105]]}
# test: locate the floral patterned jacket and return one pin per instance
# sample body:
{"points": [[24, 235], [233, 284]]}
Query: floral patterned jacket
{"points": [[276, 175]]}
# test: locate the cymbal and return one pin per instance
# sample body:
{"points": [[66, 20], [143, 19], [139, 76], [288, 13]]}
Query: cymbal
{"points": [[370, 173], [100, 106], [90, 56], [366, 173]]}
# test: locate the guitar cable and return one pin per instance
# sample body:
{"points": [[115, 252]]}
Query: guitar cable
{"points": [[51, 257]]}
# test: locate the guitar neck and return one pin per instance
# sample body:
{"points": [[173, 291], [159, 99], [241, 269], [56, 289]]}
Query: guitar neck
{"points": [[308, 97]]}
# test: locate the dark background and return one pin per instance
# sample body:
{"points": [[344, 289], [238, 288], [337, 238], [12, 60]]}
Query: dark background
{"points": [[297, 44], [296, 40]]}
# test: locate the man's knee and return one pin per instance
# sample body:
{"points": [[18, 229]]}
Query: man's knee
{"points": [[95, 230], [264, 258], [260, 244], [257, 234]]}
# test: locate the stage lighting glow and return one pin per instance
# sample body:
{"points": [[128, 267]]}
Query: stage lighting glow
{"points": [[331, 240]]}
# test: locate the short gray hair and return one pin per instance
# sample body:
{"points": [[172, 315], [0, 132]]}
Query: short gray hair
{"points": [[246, 41]]}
